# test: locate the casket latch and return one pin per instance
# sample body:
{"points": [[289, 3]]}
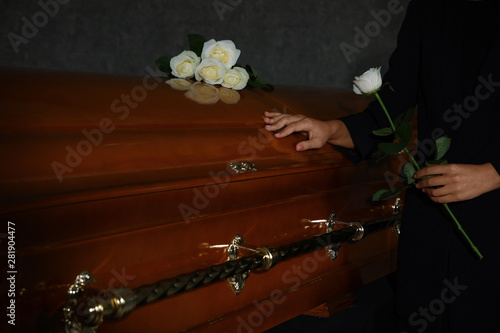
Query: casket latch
{"points": [[238, 167]]}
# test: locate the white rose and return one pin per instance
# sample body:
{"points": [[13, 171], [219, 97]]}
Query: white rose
{"points": [[179, 84], [184, 65], [368, 83], [235, 78], [203, 93], [223, 50], [211, 71]]}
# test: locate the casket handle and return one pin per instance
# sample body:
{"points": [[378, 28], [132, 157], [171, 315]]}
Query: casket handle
{"points": [[86, 313], [269, 259]]}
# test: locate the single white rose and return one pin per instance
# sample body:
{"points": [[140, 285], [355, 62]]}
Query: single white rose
{"points": [[203, 93], [229, 96], [368, 83], [184, 65], [236, 78], [211, 71], [179, 84], [223, 50]]}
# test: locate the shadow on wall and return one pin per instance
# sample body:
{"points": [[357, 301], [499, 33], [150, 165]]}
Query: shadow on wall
{"points": [[292, 42]]}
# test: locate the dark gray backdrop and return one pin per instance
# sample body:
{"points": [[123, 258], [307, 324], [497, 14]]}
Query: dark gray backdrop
{"points": [[292, 42]]}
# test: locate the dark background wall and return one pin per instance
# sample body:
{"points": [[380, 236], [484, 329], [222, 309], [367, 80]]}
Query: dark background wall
{"points": [[293, 42]]}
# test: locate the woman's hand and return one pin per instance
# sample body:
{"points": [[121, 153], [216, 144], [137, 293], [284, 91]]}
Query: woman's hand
{"points": [[318, 132], [457, 182]]}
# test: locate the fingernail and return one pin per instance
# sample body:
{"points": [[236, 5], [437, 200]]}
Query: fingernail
{"points": [[277, 134], [299, 148]]}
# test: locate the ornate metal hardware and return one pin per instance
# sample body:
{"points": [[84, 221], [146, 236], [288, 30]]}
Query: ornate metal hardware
{"points": [[333, 249], [118, 304], [331, 223], [237, 281], [397, 228], [242, 167], [86, 313], [269, 259], [396, 207]]}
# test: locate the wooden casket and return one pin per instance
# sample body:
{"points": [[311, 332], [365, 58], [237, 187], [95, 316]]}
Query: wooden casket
{"points": [[135, 205]]}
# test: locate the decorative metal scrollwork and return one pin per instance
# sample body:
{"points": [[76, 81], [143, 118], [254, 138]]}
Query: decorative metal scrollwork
{"points": [[333, 249], [396, 210], [75, 293], [111, 303], [397, 206], [269, 259], [242, 167], [331, 223], [237, 281]]}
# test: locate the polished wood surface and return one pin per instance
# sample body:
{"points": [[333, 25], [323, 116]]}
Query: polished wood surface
{"points": [[152, 197]]}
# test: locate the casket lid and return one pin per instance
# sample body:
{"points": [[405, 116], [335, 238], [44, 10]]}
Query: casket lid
{"points": [[80, 133]]}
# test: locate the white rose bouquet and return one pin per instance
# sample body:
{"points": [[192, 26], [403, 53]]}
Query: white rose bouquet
{"points": [[211, 71], [235, 78], [213, 62], [224, 51], [369, 84], [184, 65]]}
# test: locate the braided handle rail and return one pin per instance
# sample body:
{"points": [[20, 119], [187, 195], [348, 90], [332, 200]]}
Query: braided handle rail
{"points": [[117, 303]]}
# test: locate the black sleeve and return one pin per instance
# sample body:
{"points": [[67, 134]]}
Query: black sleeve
{"points": [[402, 76]]}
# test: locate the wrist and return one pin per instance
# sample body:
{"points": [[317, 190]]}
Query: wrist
{"points": [[492, 176], [496, 176], [339, 134]]}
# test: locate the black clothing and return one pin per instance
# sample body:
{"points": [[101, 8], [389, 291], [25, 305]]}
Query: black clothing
{"points": [[442, 286], [479, 26]]}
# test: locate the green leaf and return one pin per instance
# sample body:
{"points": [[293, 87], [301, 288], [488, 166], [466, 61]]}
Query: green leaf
{"points": [[442, 146], [409, 114], [251, 71], [408, 172], [386, 131], [163, 63], [255, 81], [404, 117], [196, 43], [387, 84], [385, 194], [391, 148], [259, 83], [404, 131]]}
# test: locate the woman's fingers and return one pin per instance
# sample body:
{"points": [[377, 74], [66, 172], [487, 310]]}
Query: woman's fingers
{"points": [[309, 144], [317, 132], [280, 121], [457, 182]]}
